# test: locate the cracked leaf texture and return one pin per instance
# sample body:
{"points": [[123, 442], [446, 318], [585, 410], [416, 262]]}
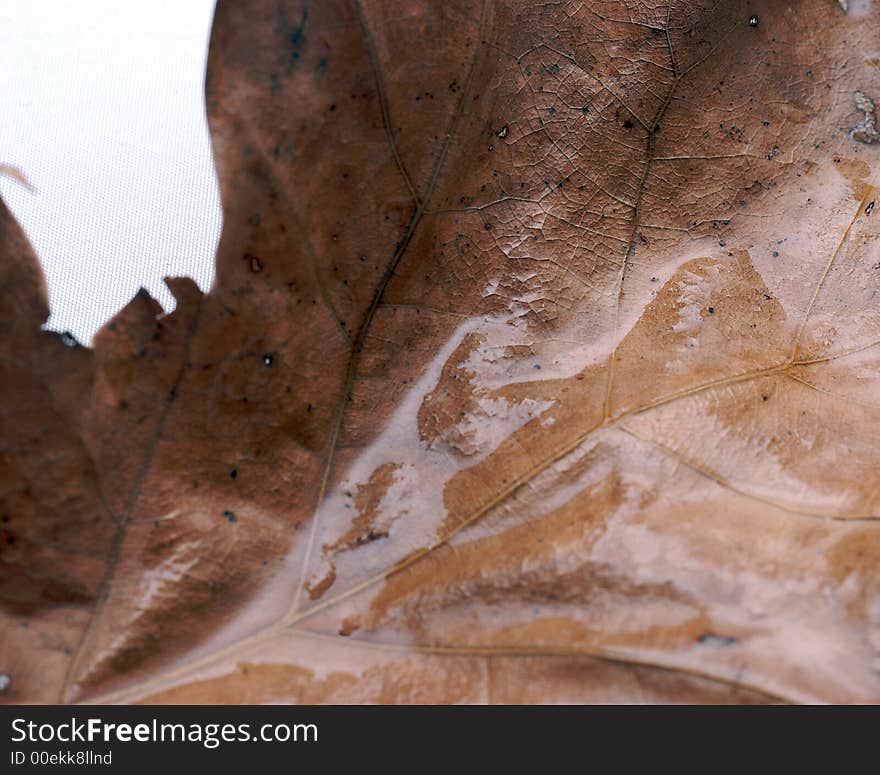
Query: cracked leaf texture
{"points": [[541, 365]]}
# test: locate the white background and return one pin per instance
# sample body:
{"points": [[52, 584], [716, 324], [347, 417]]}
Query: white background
{"points": [[103, 110]]}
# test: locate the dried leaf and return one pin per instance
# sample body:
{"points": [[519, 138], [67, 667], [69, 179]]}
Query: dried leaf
{"points": [[541, 365]]}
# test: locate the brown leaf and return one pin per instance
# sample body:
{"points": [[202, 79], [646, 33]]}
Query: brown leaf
{"points": [[541, 365]]}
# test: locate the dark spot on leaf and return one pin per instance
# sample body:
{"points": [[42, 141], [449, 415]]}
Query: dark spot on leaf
{"points": [[718, 641], [297, 38]]}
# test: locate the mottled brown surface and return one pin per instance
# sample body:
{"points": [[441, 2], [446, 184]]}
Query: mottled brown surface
{"points": [[541, 366]]}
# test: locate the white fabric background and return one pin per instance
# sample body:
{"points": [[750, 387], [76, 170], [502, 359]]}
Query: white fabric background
{"points": [[103, 110]]}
